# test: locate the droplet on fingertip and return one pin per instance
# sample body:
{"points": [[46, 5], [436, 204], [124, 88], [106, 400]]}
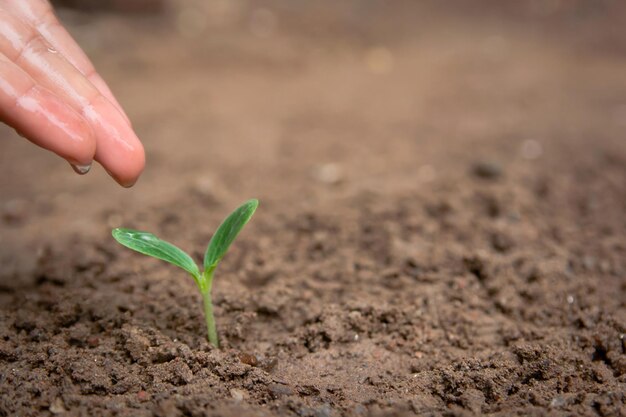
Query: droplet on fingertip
{"points": [[81, 169]]}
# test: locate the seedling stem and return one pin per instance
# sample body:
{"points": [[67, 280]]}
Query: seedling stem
{"points": [[208, 309]]}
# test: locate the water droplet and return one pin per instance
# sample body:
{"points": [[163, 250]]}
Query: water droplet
{"points": [[52, 50], [81, 169]]}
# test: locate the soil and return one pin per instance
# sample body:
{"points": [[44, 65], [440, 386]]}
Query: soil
{"points": [[442, 228]]}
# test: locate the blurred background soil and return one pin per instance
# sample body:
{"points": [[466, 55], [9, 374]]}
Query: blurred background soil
{"points": [[442, 225]]}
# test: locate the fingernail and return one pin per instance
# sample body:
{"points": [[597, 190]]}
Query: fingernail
{"points": [[123, 183], [128, 183], [81, 169], [119, 150]]}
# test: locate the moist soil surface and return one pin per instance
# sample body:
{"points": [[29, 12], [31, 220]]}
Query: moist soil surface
{"points": [[442, 228]]}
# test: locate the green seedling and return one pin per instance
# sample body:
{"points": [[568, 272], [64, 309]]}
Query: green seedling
{"points": [[150, 245]]}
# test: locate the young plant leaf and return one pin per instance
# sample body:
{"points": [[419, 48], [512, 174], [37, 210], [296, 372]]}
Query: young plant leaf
{"points": [[227, 232], [149, 244]]}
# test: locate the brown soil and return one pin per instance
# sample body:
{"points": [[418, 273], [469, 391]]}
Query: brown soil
{"points": [[442, 228]]}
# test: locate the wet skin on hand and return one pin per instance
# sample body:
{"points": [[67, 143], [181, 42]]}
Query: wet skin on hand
{"points": [[51, 94]]}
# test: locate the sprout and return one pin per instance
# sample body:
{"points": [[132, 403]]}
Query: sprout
{"points": [[149, 244]]}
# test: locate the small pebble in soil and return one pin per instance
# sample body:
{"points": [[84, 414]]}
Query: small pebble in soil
{"points": [[323, 411], [143, 396], [501, 242], [489, 170], [238, 395], [279, 390], [93, 341], [14, 211], [329, 173], [589, 262], [248, 359], [558, 401], [269, 364], [57, 407], [37, 335]]}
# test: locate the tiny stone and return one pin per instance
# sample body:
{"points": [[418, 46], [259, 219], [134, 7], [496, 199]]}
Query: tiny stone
{"points": [[589, 262], [268, 365], [93, 341], [238, 395], [37, 335], [204, 186], [501, 243], [487, 170], [359, 410], [278, 390], [248, 359], [558, 401], [355, 315], [14, 211], [605, 266], [328, 173], [57, 406], [143, 396], [323, 411]]}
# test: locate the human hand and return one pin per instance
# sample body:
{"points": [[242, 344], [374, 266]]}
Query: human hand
{"points": [[51, 94]]}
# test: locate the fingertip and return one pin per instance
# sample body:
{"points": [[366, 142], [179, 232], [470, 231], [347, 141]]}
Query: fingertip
{"points": [[134, 168], [118, 150], [128, 166]]}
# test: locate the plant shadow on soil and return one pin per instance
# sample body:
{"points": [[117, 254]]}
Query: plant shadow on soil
{"points": [[494, 287]]}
